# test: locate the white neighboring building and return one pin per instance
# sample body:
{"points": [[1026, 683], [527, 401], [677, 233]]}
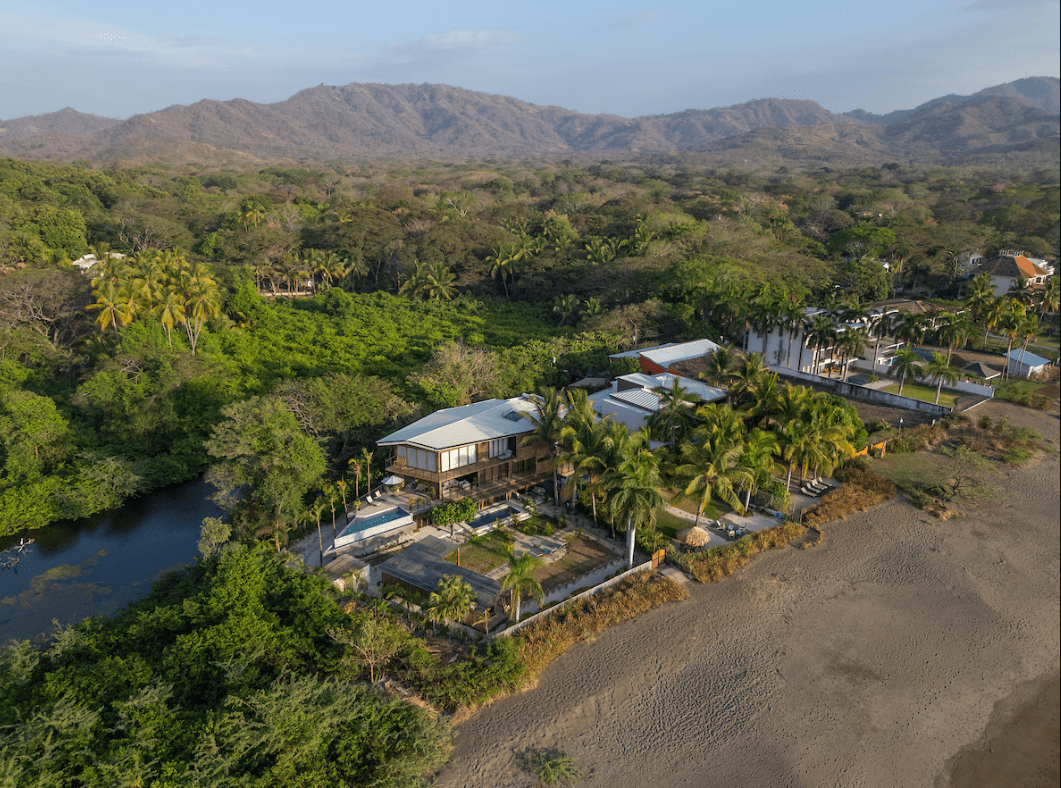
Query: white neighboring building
{"points": [[1005, 269], [659, 359], [1026, 365], [632, 399]]}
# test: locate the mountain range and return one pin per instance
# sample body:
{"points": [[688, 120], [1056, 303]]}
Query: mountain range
{"points": [[1014, 123]]}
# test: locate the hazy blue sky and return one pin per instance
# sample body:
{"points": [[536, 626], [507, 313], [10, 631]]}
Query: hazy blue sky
{"points": [[119, 57]]}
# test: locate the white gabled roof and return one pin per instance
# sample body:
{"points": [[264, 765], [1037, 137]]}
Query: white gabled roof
{"points": [[480, 421], [672, 354], [665, 380]]}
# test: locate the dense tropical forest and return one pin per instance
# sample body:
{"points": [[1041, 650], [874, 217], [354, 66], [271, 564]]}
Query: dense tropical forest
{"points": [[266, 327], [361, 296]]}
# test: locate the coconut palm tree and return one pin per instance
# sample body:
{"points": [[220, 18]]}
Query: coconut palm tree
{"points": [[636, 489], [907, 364], [565, 307], [953, 331], [852, 343], [711, 466], [979, 293], [822, 332], [721, 367], [675, 414], [940, 369], [548, 424], [440, 283], [910, 328], [760, 448], [520, 580], [452, 600], [115, 306]]}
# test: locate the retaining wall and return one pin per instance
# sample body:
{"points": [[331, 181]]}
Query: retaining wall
{"points": [[864, 394]]}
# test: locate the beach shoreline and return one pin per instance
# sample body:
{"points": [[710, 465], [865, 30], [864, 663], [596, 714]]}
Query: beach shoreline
{"points": [[888, 656]]}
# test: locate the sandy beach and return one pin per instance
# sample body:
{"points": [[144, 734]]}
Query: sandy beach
{"points": [[901, 652]]}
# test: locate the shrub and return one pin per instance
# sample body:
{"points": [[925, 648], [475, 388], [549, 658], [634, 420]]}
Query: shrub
{"points": [[1015, 455], [553, 767], [862, 489]]}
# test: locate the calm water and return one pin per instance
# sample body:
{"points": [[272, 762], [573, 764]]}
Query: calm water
{"points": [[79, 568]]}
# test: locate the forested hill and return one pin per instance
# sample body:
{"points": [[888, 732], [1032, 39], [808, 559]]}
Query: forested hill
{"points": [[1015, 122]]}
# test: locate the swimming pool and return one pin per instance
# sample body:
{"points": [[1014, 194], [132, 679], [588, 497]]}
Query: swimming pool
{"points": [[373, 522], [490, 516], [361, 522]]}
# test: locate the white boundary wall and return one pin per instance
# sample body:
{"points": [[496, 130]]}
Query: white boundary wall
{"points": [[645, 567]]}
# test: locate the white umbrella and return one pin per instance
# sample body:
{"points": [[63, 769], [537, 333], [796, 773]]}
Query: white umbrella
{"points": [[390, 481]]}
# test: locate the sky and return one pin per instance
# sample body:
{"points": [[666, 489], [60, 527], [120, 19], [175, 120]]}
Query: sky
{"points": [[118, 58]]}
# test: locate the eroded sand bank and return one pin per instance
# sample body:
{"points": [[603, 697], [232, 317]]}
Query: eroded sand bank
{"points": [[872, 660]]}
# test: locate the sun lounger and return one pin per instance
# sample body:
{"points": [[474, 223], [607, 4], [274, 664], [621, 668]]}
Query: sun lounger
{"points": [[808, 491]]}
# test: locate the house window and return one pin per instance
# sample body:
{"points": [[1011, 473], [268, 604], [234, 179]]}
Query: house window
{"points": [[418, 458], [458, 458]]}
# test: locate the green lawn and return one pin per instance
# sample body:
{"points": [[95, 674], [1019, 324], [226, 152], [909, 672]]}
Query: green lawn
{"points": [[924, 393], [1018, 389], [483, 553]]}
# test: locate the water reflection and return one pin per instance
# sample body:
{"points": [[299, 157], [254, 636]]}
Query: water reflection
{"points": [[80, 568]]}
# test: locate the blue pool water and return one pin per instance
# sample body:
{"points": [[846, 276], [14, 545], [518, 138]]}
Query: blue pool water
{"points": [[490, 517], [361, 523]]}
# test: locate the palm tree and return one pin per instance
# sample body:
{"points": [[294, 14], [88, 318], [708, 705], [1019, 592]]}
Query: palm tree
{"points": [[1051, 295], [565, 307], [940, 369], [675, 414], [366, 458], [953, 331], [520, 580], [636, 488], [415, 283], [760, 448], [317, 510], [440, 282], [711, 464], [853, 342], [909, 328], [548, 424], [749, 375], [908, 364], [979, 294], [720, 367], [114, 305], [452, 600], [822, 331]]}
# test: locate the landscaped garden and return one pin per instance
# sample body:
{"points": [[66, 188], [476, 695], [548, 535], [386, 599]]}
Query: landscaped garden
{"points": [[924, 393]]}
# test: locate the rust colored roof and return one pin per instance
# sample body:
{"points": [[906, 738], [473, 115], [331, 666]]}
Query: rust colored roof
{"points": [[1012, 265]]}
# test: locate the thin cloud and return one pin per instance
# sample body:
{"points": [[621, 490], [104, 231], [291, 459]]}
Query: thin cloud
{"points": [[456, 41]]}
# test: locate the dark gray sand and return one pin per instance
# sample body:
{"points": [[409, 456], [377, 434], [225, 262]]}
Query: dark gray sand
{"points": [[883, 657]]}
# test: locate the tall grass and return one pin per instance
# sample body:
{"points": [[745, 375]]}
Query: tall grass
{"points": [[721, 562], [862, 489], [549, 637]]}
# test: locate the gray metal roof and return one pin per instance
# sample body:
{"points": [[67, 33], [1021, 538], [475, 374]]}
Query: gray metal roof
{"points": [[460, 426], [667, 355], [1027, 359], [423, 564]]}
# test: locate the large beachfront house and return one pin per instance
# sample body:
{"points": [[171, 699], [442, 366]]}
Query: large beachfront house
{"points": [[474, 451]]}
